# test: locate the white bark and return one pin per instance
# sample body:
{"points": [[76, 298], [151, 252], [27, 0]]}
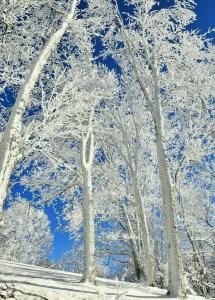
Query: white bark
{"points": [[176, 285], [87, 155], [176, 280], [141, 209], [140, 204], [135, 251], [145, 234], [9, 147]]}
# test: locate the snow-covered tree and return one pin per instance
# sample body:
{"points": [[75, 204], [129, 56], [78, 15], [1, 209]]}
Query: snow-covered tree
{"points": [[122, 151], [155, 47], [26, 236], [65, 137], [10, 141]]}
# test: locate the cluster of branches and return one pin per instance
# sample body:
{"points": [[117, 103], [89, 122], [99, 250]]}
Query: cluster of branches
{"points": [[113, 117]]}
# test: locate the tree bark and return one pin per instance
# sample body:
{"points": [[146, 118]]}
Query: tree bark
{"points": [[141, 209], [139, 268], [87, 155], [176, 285], [9, 147], [199, 264], [145, 235]]}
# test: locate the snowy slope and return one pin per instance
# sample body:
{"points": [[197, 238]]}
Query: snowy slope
{"points": [[59, 285]]}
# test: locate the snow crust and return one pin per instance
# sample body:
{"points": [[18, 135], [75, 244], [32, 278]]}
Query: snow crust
{"points": [[59, 285]]}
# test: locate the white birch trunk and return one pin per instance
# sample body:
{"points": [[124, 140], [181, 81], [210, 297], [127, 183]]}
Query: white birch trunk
{"points": [[9, 147], [87, 155]]}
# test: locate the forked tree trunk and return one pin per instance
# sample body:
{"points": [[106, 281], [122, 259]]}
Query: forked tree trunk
{"points": [[145, 235], [10, 143], [138, 264], [139, 270], [141, 211], [87, 155]]}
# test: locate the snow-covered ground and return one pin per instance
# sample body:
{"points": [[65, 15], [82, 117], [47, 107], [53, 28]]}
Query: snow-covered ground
{"points": [[24, 282]]}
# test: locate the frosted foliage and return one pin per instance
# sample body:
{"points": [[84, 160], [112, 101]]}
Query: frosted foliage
{"points": [[113, 128], [19, 38], [75, 217], [26, 236], [25, 27], [174, 72]]}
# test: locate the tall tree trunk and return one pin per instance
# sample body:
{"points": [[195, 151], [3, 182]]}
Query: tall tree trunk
{"points": [[87, 155], [145, 234], [9, 147], [141, 209], [138, 264], [199, 264], [176, 286], [139, 269]]}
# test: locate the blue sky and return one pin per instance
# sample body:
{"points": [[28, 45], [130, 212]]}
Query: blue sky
{"points": [[205, 19], [205, 11], [206, 14]]}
